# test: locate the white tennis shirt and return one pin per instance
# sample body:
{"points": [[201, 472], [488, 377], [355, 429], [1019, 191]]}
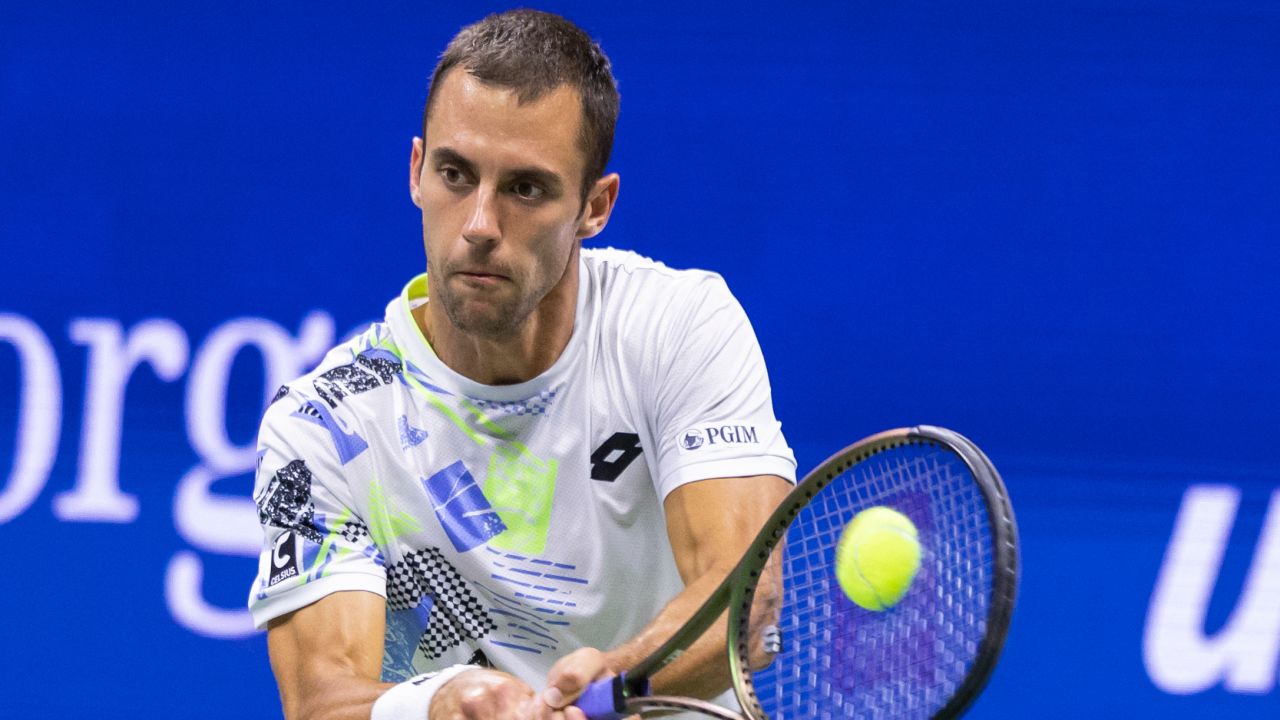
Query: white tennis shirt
{"points": [[518, 521]]}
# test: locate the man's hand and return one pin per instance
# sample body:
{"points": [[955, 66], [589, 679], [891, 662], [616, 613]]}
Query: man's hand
{"points": [[482, 695], [565, 682]]}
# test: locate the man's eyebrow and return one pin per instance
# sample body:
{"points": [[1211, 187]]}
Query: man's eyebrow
{"points": [[542, 176], [449, 155]]}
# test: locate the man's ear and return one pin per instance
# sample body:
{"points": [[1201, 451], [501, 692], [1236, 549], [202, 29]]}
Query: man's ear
{"points": [[416, 158], [600, 202]]}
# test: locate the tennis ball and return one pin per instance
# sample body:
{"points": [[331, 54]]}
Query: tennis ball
{"points": [[877, 557]]}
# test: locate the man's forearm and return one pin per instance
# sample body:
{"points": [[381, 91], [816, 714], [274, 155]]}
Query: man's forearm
{"points": [[327, 657], [706, 547], [348, 699], [703, 669]]}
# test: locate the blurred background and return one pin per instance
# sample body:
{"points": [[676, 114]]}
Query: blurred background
{"points": [[1050, 226]]}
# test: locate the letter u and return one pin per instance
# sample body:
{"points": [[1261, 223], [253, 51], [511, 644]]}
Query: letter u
{"points": [[1243, 655]]}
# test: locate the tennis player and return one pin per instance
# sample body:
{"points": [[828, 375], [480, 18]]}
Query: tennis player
{"points": [[544, 459]]}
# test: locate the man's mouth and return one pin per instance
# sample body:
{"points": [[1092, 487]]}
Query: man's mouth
{"points": [[480, 277]]}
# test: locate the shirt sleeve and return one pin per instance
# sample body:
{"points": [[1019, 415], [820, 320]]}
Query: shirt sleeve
{"points": [[314, 542], [714, 415]]}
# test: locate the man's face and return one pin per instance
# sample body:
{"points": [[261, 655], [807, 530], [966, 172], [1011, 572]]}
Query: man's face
{"points": [[498, 184]]}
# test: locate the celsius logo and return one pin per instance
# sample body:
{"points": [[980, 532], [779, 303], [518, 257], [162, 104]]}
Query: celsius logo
{"points": [[694, 438], [284, 558]]}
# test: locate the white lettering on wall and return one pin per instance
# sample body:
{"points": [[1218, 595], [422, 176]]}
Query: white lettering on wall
{"points": [[227, 524], [113, 357], [284, 358], [183, 595], [1243, 655], [39, 415]]}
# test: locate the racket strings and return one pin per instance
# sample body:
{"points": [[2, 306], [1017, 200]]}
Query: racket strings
{"points": [[838, 660]]}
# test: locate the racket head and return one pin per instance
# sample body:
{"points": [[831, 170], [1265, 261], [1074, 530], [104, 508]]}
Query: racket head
{"points": [[931, 654]]}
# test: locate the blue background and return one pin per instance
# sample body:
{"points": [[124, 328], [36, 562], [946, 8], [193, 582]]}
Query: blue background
{"points": [[1049, 226]]}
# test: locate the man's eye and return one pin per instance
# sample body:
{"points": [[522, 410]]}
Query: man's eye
{"points": [[451, 175], [527, 190]]}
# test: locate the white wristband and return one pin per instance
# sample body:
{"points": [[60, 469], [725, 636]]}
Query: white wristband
{"points": [[411, 699]]}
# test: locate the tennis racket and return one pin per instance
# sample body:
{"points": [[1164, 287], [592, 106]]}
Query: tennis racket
{"points": [[927, 657]]}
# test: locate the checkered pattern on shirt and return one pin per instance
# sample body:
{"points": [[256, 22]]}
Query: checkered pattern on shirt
{"points": [[537, 405], [456, 613], [354, 532]]}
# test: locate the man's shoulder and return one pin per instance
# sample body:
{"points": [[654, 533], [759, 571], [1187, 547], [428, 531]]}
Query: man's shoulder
{"points": [[366, 361], [625, 276], [647, 312]]}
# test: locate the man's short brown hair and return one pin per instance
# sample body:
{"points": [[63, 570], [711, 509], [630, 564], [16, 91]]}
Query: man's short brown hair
{"points": [[533, 53]]}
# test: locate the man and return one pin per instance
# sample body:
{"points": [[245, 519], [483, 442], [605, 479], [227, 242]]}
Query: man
{"points": [[545, 459]]}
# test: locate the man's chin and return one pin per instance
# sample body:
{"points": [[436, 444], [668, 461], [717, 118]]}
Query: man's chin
{"points": [[482, 320]]}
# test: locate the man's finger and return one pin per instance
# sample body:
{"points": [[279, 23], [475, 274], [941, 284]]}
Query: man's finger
{"points": [[553, 697], [571, 674]]}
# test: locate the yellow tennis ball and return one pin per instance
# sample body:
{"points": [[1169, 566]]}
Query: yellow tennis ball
{"points": [[877, 557]]}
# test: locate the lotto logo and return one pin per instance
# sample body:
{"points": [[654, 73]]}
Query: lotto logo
{"points": [[614, 455]]}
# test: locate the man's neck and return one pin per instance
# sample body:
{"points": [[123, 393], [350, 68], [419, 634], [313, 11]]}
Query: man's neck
{"points": [[531, 351]]}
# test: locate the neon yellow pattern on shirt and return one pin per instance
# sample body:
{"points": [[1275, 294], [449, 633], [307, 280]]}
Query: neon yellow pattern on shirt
{"points": [[518, 484], [521, 487], [384, 526], [318, 567]]}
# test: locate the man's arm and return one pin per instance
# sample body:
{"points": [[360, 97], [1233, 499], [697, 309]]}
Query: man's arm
{"points": [[327, 658], [710, 524]]}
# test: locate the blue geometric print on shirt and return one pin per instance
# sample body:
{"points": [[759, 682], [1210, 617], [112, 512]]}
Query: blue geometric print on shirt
{"points": [[410, 436], [348, 444], [403, 632], [465, 513], [375, 353], [311, 552]]}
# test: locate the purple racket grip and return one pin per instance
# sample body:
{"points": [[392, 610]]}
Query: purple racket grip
{"points": [[603, 700]]}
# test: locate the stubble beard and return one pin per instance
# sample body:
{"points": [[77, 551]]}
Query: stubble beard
{"points": [[498, 320]]}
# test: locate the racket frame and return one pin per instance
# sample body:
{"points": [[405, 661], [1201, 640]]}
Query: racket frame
{"points": [[737, 591]]}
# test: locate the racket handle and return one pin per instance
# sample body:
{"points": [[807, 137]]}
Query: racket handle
{"points": [[603, 700]]}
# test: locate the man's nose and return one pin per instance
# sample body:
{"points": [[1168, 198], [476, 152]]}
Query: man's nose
{"points": [[483, 225]]}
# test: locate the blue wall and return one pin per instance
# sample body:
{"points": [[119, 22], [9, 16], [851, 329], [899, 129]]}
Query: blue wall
{"points": [[1049, 226]]}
